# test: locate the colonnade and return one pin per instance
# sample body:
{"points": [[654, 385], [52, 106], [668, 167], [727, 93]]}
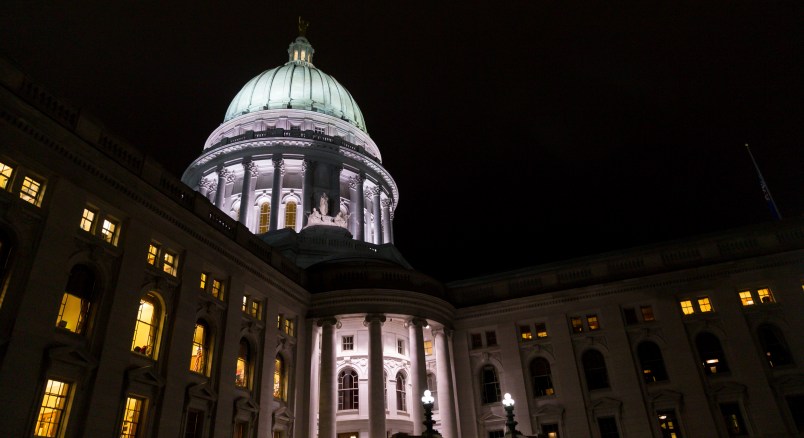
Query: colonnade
{"points": [[328, 380]]}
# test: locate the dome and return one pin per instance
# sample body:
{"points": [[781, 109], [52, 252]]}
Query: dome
{"points": [[300, 85]]}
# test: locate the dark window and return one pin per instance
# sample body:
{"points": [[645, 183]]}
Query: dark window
{"points": [[594, 367], [651, 361], [630, 316], [774, 345], [490, 387], [550, 430], [401, 393], [608, 427], [195, 424], [796, 405], [668, 424], [735, 426], [711, 353], [496, 434], [491, 339], [542, 380], [347, 390], [477, 340]]}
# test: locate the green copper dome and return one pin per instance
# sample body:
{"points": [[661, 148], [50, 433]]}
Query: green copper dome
{"points": [[299, 85]]}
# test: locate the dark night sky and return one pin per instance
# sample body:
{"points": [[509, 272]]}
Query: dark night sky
{"points": [[518, 132]]}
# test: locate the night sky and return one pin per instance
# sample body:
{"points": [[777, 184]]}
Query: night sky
{"points": [[518, 132]]}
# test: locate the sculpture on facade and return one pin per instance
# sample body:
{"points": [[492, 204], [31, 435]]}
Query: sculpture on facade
{"points": [[319, 216]]}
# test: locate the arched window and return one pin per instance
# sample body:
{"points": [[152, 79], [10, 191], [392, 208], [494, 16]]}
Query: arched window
{"points": [[348, 397], [489, 385], [265, 217], [148, 326], [713, 359], [290, 214], [77, 300], [243, 367], [541, 378], [401, 393], [433, 387], [200, 351], [651, 362], [594, 367], [774, 345], [711, 354], [279, 377]]}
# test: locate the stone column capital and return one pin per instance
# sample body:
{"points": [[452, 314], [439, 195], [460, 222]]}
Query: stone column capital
{"points": [[416, 322], [387, 202], [332, 321], [442, 331], [355, 181], [251, 167], [374, 317]]}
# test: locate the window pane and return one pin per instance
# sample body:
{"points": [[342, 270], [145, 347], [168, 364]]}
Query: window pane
{"points": [[733, 418], [428, 348], [198, 357], [490, 385], [608, 427], [704, 304], [541, 330], [686, 307], [131, 417], [593, 323], [630, 316], [73, 313], [153, 254], [54, 402], [477, 340], [668, 424], [651, 362], [765, 296], [594, 366], [30, 190], [525, 333], [746, 299], [279, 372], [87, 218], [109, 231], [146, 328], [243, 364], [577, 324], [647, 313], [491, 339], [265, 217], [290, 215], [5, 175]]}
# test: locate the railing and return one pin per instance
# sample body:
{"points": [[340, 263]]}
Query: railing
{"points": [[293, 133]]}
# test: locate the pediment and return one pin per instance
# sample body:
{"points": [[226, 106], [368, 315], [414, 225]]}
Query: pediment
{"points": [[73, 356], [145, 375], [246, 404], [490, 416], [606, 404], [728, 389], [548, 409], [202, 391]]}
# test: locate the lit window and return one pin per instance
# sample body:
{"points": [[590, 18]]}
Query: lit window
{"points": [[243, 364], [244, 308], [525, 333], [87, 219], [279, 381], [289, 329], [153, 254], [477, 340], [686, 307], [577, 324], [5, 175], [198, 356], [428, 348], [594, 367], [400, 346], [217, 289], [109, 231], [348, 343], [541, 330], [77, 300], [131, 417], [704, 304], [290, 215], [31, 190], [765, 296], [265, 217], [279, 321], [593, 323], [54, 403], [256, 309], [647, 313], [746, 298], [491, 339], [668, 423], [148, 326], [170, 262], [203, 284]]}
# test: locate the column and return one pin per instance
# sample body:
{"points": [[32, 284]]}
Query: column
{"points": [[386, 221], [375, 380], [418, 371], [335, 190], [328, 392], [446, 407], [204, 186], [308, 167], [276, 191], [374, 192], [247, 197], [224, 175], [356, 205]]}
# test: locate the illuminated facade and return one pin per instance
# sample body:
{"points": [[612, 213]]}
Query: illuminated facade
{"points": [[261, 296]]}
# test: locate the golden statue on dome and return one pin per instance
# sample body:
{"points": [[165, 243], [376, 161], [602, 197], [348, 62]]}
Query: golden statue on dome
{"points": [[303, 25]]}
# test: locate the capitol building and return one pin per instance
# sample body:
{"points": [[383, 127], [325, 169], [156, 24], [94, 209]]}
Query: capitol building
{"points": [[260, 295]]}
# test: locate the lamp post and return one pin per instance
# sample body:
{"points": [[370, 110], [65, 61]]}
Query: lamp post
{"points": [[427, 401], [508, 404]]}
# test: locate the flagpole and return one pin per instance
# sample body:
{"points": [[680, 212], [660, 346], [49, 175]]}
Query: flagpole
{"points": [[765, 190]]}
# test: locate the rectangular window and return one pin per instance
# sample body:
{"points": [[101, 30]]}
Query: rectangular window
{"points": [[73, 313], [608, 427], [217, 289], [496, 434], [541, 330], [256, 309], [348, 343], [686, 307], [279, 321], [131, 417], [630, 315], [668, 423], [5, 175], [428, 348], [765, 296], [746, 299], [491, 339], [54, 403], [195, 424], [795, 403], [203, 284], [170, 262], [110, 230], [733, 418], [241, 430], [477, 340], [400, 346], [577, 324], [647, 313], [31, 190], [289, 329], [592, 322], [87, 220], [524, 333], [245, 304], [550, 430], [704, 304], [153, 254]]}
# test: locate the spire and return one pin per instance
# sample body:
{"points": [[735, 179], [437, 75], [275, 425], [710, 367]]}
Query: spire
{"points": [[300, 50]]}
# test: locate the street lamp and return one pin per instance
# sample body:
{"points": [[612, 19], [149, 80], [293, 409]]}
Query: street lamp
{"points": [[428, 401], [508, 404]]}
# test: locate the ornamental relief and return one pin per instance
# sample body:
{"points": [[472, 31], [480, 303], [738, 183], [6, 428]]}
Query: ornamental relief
{"points": [[360, 364]]}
